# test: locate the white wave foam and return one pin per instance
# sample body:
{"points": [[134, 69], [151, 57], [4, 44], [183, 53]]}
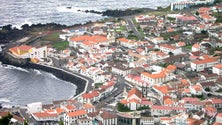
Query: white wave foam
{"points": [[14, 67], [50, 75], [37, 72], [4, 100]]}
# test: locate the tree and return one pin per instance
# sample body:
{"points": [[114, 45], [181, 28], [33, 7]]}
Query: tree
{"points": [[61, 122], [5, 120], [197, 13], [170, 53]]}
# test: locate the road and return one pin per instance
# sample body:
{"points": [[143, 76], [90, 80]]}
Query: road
{"points": [[120, 87], [58, 64], [28, 117], [133, 28]]}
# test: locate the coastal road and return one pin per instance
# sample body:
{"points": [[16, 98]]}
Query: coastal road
{"points": [[57, 63], [133, 28]]}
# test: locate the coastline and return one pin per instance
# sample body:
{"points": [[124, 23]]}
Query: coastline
{"points": [[82, 83]]}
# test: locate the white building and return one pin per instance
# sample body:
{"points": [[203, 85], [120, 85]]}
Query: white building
{"points": [[181, 5], [35, 107], [25, 51], [168, 48], [72, 117], [127, 43], [107, 118], [200, 65], [217, 69], [157, 110]]}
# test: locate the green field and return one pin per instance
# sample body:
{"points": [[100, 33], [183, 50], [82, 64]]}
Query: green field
{"points": [[60, 45]]}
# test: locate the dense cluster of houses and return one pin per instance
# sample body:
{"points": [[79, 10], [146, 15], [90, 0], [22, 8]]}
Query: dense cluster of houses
{"points": [[175, 71]]}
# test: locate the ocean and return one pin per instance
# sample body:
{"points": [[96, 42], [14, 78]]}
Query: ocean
{"points": [[19, 86], [19, 12]]}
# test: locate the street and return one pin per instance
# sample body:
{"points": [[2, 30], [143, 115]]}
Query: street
{"points": [[133, 28]]}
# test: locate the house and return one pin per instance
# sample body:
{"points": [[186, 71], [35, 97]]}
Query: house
{"points": [[158, 55], [196, 47], [181, 5], [157, 40], [154, 78], [84, 121], [211, 85], [25, 51], [134, 100], [127, 43], [200, 65], [120, 70], [49, 115], [192, 104], [72, 117], [180, 44], [144, 18], [107, 118], [219, 118], [196, 89], [186, 19], [90, 97], [15, 120], [158, 75], [170, 49], [217, 103], [146, 121], [217, 69], [158, 110], [88, 42]]}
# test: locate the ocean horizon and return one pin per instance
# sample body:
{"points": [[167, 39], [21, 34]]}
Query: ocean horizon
{"points": [[20, 12]]}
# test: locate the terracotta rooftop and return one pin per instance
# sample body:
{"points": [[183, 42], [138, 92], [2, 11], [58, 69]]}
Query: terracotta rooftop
{"points": [[77, 113]]}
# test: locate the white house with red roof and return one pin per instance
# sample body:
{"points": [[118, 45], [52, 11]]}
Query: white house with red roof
{"points": [[196, 47], [169, 48], [134, 100], [196, 89], [127, 43], [200, 65], [157, 40], [88, 42], [71, 117], [48, 115], [192, 103], [90, 97], [217, 69], [25, 51], [159, 110], [144, 18], [216, 102], [107, 118], [160, 76]]}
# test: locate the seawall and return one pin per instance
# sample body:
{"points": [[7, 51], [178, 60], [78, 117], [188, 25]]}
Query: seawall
{"points": [[80, 81], [61, 74]]}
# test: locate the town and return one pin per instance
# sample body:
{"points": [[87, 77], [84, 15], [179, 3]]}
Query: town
{"points": [[163, 67]]}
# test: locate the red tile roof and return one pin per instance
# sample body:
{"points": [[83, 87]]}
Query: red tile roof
{"points": [[45, 114], [134, 91], [108, 115], [19, 50], [77, 113], [204, 61], [91, 94]]}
